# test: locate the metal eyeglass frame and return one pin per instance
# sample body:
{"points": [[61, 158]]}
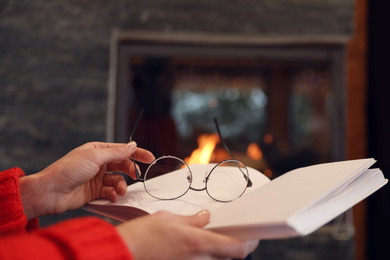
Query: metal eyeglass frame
{"points": [[233, 160]]}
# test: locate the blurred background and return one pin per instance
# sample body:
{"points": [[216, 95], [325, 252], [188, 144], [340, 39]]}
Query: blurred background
{"points": [[292, 83]]}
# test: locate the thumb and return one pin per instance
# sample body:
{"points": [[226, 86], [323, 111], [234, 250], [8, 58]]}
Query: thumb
{"points": [[199, 220], [117, 153]]}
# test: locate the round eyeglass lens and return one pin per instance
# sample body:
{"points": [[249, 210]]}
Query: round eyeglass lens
{"points": [[227, 181], [167, 178]]}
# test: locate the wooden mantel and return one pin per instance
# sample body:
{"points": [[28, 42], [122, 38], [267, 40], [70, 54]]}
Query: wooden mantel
{"points": [[356, 135]]}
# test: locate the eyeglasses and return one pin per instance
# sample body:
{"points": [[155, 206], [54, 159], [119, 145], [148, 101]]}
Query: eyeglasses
{"points": [[169, 177]]}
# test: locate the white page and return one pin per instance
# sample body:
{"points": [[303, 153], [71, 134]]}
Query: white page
{"points": [[279, 199], [364, 185], [191, 203]]}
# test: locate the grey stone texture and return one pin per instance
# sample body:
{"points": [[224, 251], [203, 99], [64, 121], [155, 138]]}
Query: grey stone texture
{"points": [[54, 58]]}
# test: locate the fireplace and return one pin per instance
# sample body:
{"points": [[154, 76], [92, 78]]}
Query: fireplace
{"points": [[285, 97]]}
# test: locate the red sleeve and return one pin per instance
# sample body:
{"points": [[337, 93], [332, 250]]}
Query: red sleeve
{"points": [[12, 218], [80, 238]]}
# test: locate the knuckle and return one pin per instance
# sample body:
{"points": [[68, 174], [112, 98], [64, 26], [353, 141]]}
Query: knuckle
{"points": [[163, 214]]}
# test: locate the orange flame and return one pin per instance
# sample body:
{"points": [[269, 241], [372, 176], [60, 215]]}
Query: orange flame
{"points": [[254, 152], [204, 153]]}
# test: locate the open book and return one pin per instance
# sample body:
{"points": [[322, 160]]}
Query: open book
{"points": [[294, 204]]}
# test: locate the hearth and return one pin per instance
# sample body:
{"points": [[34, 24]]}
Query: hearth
{"points": [[285, 97]]}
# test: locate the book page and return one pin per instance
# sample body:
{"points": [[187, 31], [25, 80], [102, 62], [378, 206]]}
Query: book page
{"points": [[277, 201], [189, 204], [337, 202]]}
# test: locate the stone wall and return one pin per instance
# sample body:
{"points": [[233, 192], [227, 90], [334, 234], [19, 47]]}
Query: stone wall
{"points": [[54, 58]]}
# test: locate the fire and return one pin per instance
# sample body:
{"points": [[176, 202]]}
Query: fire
{"points": [[207, 152], [254, 152], [204, 153]]}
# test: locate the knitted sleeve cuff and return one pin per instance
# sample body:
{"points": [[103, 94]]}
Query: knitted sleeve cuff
{"points": [[12, 218], [79, 239], [88, 238]]}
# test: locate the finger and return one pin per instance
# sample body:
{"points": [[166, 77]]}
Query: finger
{"points": [[97, 145], [113, 154], [208, 243], [140, 154], [199, 220], [118, 149], [108, 192], [143, 155], [221, 246], [217, 245], [102, 145], [126, 166], [252, 245], [117, 182]]}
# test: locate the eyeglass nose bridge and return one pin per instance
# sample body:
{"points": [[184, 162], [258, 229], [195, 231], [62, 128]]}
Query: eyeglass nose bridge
{"points": [[195, 189], [206, 174]]}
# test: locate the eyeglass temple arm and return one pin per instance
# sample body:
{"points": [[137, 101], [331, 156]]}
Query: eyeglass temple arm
{"points": [[138, 175], [227, 149], [136, 124]]}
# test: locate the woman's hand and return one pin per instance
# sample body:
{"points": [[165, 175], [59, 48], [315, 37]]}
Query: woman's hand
{"points": [[79, 177], [169, 236]]}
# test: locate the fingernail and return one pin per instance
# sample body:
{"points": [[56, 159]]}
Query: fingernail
{"points": [[131, 144], [202, 212]]}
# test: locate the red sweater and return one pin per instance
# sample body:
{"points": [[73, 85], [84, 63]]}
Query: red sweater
{"points": [[81, 238]]}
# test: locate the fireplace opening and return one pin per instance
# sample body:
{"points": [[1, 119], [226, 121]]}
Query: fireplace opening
{"points": [[278, 107]]}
